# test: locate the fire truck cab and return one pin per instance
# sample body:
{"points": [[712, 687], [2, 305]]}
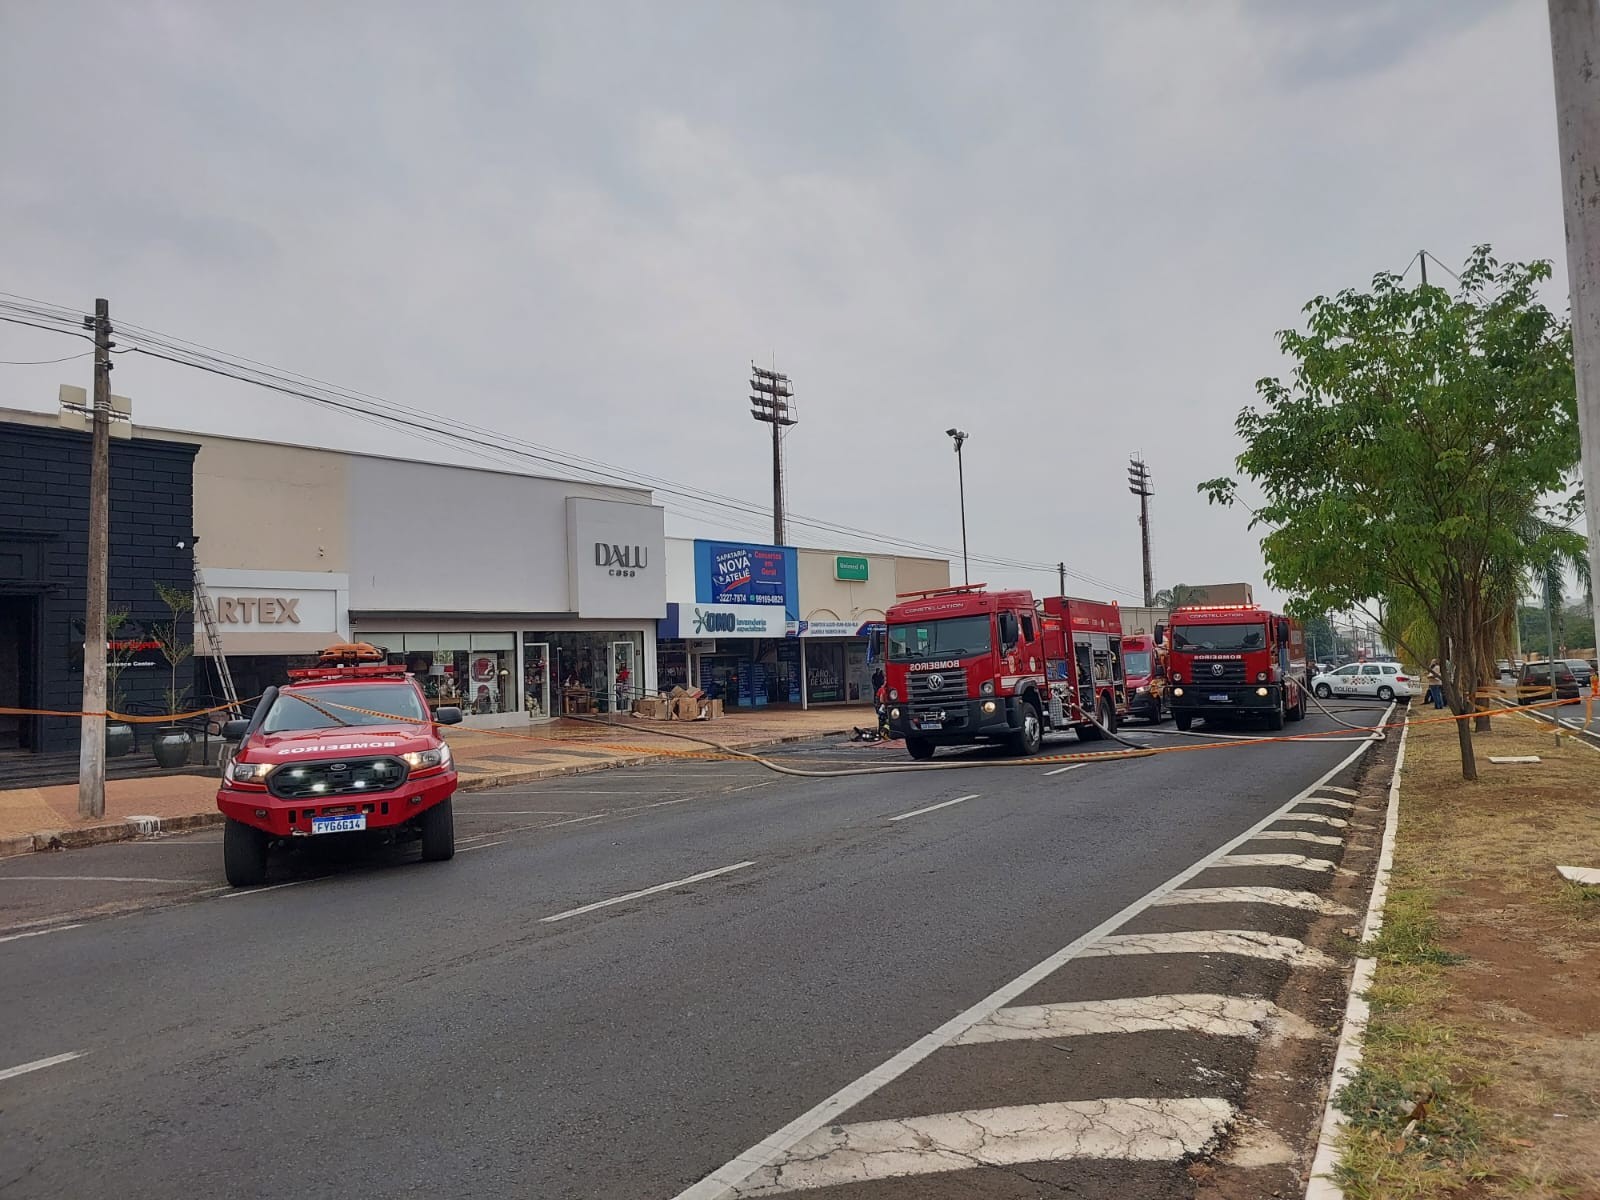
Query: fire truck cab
{"points": [[1236, 658], [969, 665]]}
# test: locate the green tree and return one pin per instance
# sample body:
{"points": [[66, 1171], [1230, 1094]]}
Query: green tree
{"points": [[1178, 595], [175, 648], [1417, 432]]}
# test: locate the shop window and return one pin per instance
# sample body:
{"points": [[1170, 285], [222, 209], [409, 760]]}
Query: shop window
{"points": [[472, 671], [597, 671]]}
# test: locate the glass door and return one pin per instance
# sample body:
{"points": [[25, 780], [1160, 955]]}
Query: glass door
{"points": [[536, 679], [624, 675]]}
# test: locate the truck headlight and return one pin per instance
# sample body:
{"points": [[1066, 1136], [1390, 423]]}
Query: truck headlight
{"points": [[248, 772], [986, 688], [1176, 678], [1144, 691], [1261, 691], [988, 707], [894, 714], [894, 693], [1177, 691], [421, 759], [1261, 676]]}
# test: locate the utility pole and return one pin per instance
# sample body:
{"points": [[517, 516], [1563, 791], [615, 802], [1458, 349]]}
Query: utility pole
{"points": [[1061, 570], [1574, 49], [92, 743], [770, 401], [959, 436], [1139, 485]]}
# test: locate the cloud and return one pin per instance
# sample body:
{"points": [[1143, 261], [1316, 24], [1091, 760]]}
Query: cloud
{"points": [[1071, 230]]}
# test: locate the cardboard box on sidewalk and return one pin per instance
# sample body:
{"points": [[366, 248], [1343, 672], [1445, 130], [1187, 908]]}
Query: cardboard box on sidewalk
{"points": [[656, 708]]}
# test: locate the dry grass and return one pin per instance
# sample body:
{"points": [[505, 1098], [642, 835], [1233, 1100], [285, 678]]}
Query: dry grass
{"points": [[1486, 1003]]}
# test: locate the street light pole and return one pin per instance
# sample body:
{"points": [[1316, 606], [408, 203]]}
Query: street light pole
{"points": [[959, 436]]}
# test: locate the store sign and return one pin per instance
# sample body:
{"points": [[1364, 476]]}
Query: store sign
{"points": [[839, 629], [275, 612], [730, 573], [615, 552], [708, 621], [850, 568]]}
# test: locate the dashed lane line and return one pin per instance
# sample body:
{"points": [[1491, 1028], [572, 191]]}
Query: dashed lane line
{"points": [[1298, 862], [642, 892], [1145, 1130], [235, 893], [1246, 942], [1283, 897], [917, 812], [485, 846], [1064, 770], [1290, 835], [1212, 1015], [39, 1064], [12, 937]]}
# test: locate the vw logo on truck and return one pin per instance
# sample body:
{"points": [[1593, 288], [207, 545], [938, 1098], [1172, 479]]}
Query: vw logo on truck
{"points": [[935, 683]]}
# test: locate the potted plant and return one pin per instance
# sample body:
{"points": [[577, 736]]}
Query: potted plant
{"points": [[119, 654], [172, 741]]}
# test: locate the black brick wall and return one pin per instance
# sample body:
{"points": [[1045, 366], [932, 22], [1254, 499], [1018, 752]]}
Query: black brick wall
{"points": [[44, 495]]}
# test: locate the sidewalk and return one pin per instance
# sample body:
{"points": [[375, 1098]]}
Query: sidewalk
{"points": [[45, 818]]}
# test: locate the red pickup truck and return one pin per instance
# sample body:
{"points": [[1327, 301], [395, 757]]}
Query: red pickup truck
{"points": [[345, 747]]}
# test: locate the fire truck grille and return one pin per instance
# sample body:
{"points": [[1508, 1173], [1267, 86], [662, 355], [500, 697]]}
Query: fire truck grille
{"points": [[952, 687], [1232, 671], [344, 777]]}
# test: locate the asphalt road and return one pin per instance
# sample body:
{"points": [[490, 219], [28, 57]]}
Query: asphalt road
{"points": [[489, 1027]]}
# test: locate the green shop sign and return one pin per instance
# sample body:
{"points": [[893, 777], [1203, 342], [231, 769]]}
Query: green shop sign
{"points": [[850, 567]]}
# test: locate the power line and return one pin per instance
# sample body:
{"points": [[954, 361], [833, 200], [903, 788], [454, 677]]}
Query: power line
{"points": [[42, 362], [492, 444]]}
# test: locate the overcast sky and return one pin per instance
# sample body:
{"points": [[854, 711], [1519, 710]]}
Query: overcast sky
{"points": [[1071, 230]]}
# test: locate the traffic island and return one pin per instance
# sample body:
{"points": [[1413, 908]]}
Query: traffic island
{"points": [[1480, 1059]]}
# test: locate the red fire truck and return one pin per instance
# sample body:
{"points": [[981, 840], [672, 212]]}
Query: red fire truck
{"points": [[1145, 661], [969, 665], [1236, 658]]}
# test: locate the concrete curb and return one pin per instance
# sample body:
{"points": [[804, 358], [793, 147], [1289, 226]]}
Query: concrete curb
{"points": [[133, 828], [1357, 1012]]}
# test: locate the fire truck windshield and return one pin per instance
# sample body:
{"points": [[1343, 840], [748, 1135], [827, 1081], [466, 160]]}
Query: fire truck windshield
{"points": [[952, 637], [329, 707], [1136, 662], [1230, 639]]}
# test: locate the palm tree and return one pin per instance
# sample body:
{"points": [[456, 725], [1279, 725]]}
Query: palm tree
{"points": [[1178, 595]]}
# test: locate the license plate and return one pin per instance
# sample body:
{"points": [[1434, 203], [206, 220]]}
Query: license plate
{"points": [[1221, 698], [339, 824], [925, 724]]}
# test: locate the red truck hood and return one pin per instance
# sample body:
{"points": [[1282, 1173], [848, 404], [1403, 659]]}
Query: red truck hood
{"points": [[308, 746]]}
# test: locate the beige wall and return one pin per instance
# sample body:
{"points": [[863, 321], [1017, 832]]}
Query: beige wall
{"points": [[824, 598], [269, 507]]}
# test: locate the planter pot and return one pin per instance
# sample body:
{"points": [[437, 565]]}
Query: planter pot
{"points": [[172, 748], [119, 739]]}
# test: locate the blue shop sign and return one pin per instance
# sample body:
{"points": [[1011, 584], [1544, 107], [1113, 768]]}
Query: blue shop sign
{"points": [[741, 573]]}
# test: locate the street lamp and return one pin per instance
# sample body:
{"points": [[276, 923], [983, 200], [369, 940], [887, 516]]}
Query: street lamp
{"points": [[959, 436]]}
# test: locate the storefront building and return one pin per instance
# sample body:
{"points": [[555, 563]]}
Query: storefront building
{"points": [[44, 513], [758, 624]]}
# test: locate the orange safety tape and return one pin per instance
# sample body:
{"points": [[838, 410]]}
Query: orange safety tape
{"points": [[130, 718]]}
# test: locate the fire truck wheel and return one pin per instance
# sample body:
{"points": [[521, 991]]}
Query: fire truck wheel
{"points": [[1298, 712], [244, 854], [919, 748], [1028, 740], [1323, 691], [439, 832], [1275, 717], [1183, 721], [1108, 715]]}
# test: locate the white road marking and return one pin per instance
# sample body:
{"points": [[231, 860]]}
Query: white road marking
{"points": [[721, 1183], [90, 879], [485, 846], [917, 812], [271, 887], [1318, 819], [1342, 791], [1298, 861], [1064, 770], [1331, 803], [1308, 901], [575, 820], [1214, 1015], [749, 787], [11, 937], [40, 1064], [516, 812], [1145, 1130], [1290, 835], [649, 891], [1246, 942]]}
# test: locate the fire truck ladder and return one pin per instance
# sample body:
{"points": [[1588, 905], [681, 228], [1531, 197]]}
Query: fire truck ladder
{"points": [[208, 620]]}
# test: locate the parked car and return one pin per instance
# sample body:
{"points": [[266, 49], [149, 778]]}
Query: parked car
{"points": [[1581, 671], [1533, 685], [1379, 680]]}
